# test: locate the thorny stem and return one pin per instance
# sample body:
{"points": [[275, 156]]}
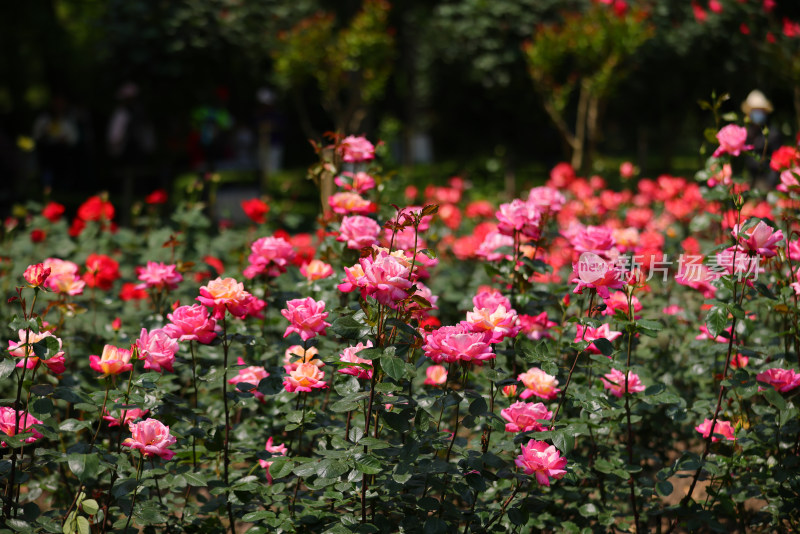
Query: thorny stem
{"points": [[631, 481], [226, 457], [572, 369], [136, 487], [503, 509], [196, 394], [11, 483], [712, 427]]}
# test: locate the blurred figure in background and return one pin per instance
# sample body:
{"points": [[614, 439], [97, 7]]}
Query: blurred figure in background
{"points": [[269, 125], [55, 133], [758, 108], [130, 141], [211, 126]]}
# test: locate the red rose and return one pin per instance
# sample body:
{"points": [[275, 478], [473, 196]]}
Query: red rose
{"points": [[37, 235], [53, 211], [159, 196], [256, 209], [96, 209]]}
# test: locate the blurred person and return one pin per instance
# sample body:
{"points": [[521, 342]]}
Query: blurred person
{"points": [[130, 141], [211, 126], [757, 109], [56, 134], [269, 125]]}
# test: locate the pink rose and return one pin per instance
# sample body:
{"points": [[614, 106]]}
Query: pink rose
{"points": [[789, 180], [113, 361], [349, 355], [519, 216], [782, 380], [386, 278], [158, 276], [619, 301], [490, 298], [525, 416], [724, 428], [499, 324], [359, 182], [546, 199], [151, 437], [25, 353], [591, 334], [307, 317], [36, 274], [157, 349], [347, 202], [614, 382], [491, 243], [191, 323], [435, 375], [8, 424], [536, 326], [130, 414], [543, 460], [276, 450], [225, 294], [316, 270], [270, 256], [305, 377], [732, 139], [596, 239], [538, 383], [359, 232], [762, 239], [250, 375], [354, 149], [457, 343], [309, 355], [63, 277]]}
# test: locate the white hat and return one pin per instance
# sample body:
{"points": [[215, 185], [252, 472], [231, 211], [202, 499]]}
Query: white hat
{"points": [[756, 100]]}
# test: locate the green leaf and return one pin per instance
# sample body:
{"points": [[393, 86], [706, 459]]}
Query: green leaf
{"points": [[90, 506], [664, 488], [368, 464], [716, 320], [347, 327], [563, 442], [83, 466], [391, 322], [281, 467], [7, 367], [348, 386], [396, 421], [393, 366], [478, 407], [332, 468], [83, 525], [72, 425], [774, 398], [650, 325], [604, 346], [588, 510], [193, 479]]}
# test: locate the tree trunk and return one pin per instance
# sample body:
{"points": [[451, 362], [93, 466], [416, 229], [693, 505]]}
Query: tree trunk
{"points": [[580, 128], [326, 183]]}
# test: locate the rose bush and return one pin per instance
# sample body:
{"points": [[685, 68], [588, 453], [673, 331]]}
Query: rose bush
{"points": [[407, 373]]}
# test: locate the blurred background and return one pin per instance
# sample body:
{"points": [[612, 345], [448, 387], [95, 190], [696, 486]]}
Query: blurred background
{"points": [[130, 96]]}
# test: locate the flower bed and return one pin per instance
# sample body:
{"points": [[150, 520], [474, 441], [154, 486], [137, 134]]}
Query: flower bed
{"points": [[576, 359]]}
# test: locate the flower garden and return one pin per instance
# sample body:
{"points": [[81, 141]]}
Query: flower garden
{"points": [[577, 359]]}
